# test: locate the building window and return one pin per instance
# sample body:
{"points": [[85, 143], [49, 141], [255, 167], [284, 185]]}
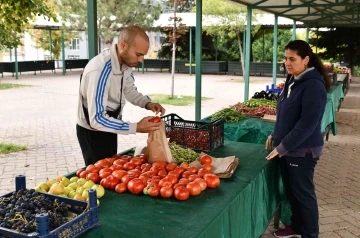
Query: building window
{"points": [[73, 56], [75, 44]]}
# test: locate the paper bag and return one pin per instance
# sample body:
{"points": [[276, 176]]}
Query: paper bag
{"points": [[158, 146]]}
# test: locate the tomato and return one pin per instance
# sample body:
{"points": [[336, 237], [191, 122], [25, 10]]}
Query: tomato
{"points": [[79, 172], [161, 164], [120, 161], [162, 173], [126, 179], [202, 172], [193, 177], [119, 173], [150, 174], [172, 178], [136, 186], [171, 166], [179, 185], [92, 169], [129, 166], [155, 179], [202, 183], [205, 159], [186, 174], [104, 175], [93, 177], [111, 160], [105, 170], [120, 188], [185, 165], [146, 166], [83, 174], [192, 169], [152, 190], [184, 181], [181, 193], [212, 180], [179, 170], [102, 182], [116, 156], [173, 173], [166, 192], [135, 172], [165, 183], [142, 157], [155, 119], [103, 163], [207, 167], [144, 178], [194, 188], [116, 167], [113, 180], [136, 161]]}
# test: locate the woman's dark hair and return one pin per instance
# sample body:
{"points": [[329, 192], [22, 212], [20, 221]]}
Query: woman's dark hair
{"points": [[303, 49]]}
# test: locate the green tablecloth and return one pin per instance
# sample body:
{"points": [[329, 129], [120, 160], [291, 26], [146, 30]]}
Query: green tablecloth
{"points": [[329, 117], [241, 206], [336, 94]]}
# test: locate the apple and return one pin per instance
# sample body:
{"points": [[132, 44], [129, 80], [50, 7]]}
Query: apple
{"points": [[100, 191], [89, 184]]}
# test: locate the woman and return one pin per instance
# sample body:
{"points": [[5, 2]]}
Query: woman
{"points": [[297, 137]]}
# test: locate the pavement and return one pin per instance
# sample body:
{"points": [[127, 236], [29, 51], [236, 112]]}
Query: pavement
{"points": [[43, 118]]}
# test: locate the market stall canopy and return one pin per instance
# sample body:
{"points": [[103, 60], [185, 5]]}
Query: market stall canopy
{"points": [[315, 13]]}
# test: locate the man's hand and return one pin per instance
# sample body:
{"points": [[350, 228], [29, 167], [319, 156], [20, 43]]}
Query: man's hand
{"points": [[269, 141], [273, 154], [144, 126], [156, 108]]}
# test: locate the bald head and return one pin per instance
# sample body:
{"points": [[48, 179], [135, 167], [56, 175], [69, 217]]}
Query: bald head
{"points": [[130, 33]]}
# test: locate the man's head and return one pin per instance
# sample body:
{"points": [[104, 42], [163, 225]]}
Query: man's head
{"points": [[133, 45]]}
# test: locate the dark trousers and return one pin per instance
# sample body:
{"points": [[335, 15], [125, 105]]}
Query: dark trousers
{"points": [[96, 145], [297, 175]]}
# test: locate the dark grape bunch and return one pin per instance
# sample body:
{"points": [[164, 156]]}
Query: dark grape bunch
{"points": [[18, 211]]}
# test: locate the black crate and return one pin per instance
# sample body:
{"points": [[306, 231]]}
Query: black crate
{"points": [[198, 136]]}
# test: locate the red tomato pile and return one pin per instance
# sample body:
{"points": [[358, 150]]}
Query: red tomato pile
{"points": [[136, 175]]}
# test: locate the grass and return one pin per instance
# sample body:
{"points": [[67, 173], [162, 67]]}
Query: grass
{"points": [[11, 148], [4, 86], [178, 100]]}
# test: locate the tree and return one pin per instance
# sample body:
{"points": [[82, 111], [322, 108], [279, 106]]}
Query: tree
{"points": [[15, 17], [42, 40], [340, 44], [229, 19], [111, 15], [284, 37], [186, 6]]}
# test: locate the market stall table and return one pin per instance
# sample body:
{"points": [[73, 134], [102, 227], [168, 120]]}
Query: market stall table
{"points": [[241, 206], [344, 79]]}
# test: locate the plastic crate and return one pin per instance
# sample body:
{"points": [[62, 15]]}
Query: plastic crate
{"points": [[198, 136], [83, 222], [273, 89]]}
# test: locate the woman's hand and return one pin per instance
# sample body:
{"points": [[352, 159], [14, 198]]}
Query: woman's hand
{"points": [[273, 154], [269, 141]]}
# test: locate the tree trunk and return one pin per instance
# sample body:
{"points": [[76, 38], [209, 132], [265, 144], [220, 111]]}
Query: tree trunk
{"points": [[241, 53], [173, 53]]}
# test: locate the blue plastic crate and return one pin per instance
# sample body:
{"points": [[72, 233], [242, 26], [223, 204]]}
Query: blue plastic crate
{"points": [[273, 89], [83, 222]]}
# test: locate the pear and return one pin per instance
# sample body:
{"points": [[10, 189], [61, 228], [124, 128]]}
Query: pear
{"points": [[56, 189], [100, 191], [85, 193], [89, 184], [44, 186], [81, 181], [79, 197], [74, 179], [80, 190], [59, 178], [73, 185], [50, 182], [72, 194], [40, 189], [65, 181], [67, 190], [97, 201]]}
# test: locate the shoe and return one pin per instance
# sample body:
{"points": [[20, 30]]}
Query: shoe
{"points": [[288, 232]]}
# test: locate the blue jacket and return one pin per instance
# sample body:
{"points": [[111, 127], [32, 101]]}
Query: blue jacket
{"points": [[299, 113]]}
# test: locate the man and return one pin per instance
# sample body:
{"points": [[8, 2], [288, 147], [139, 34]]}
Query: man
{"points": [[106, 82]]}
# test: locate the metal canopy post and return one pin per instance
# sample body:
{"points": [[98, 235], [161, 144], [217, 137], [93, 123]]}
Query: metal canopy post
{"points": [[263, 46], [275, 43], [247, 54], [307, 34], [10, 51], [92, 28], [63, 52], [294, 31], [244, 46], [50, 42], [198, 54], [16, 65], [190, 50]]}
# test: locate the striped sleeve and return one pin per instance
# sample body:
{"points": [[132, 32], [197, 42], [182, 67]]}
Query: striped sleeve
{"points": [[97, 98]]}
